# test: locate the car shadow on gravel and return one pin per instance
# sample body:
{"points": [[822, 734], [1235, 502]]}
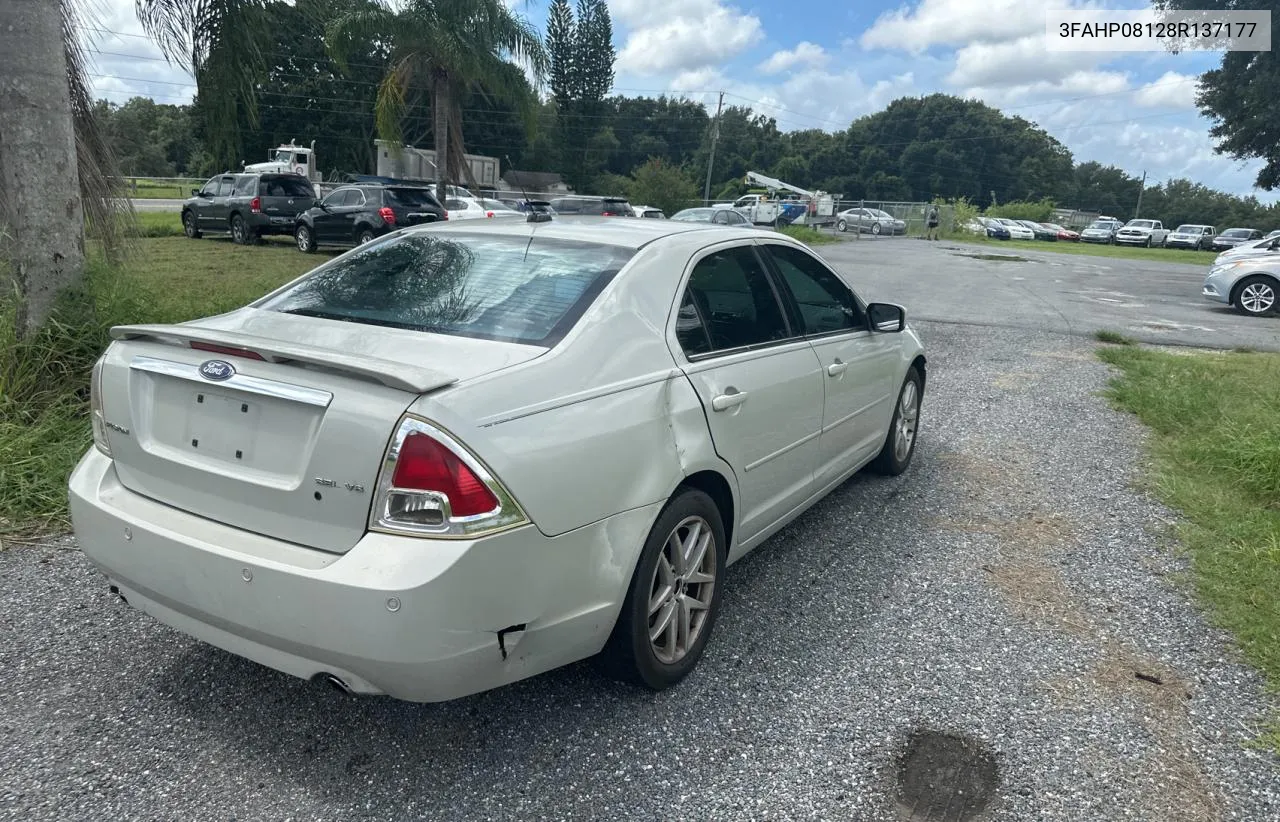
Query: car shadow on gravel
{"points": [[331, 744]]}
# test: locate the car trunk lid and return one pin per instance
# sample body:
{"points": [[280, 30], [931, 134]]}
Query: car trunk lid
{"points": [[274, 423]]}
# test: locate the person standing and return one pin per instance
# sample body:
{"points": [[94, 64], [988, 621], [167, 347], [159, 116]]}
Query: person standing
{"points": [[932, 223]]}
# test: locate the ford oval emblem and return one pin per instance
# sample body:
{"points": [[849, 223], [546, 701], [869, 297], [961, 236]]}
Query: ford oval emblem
{"points": [[217, 370]]}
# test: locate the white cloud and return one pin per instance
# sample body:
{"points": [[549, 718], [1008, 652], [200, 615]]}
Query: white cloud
{"points": [[950, 22], [804, 54], [125, 63], [1016, 62], [1172, 90], [679, 35]]}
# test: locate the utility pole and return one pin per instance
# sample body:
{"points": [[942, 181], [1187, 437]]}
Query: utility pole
{"points": [[711, 160], [1137, 212]]}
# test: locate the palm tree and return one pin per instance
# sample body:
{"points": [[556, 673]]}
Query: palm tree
{"points": [[452, 47], [55, 167]]}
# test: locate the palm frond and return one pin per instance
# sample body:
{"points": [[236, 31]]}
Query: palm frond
{"points": [[389, 110], [106, 209]]}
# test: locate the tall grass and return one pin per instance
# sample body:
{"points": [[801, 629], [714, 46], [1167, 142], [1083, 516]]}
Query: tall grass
{"points": [[809, 236]]}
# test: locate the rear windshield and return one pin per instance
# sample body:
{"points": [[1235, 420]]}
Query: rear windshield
{"points": [[290, 186], [411, 197], [470, 285]]}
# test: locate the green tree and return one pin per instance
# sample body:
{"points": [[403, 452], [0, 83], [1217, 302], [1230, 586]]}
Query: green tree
{"points": [[1238, 95], [560, 50], [659, 184], [450, 47], [582, 58]]}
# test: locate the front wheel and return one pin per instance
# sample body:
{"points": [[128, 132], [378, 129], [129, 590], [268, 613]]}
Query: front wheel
{"points": [[842, 226], [189, 226], [1147, 244], [674, 596], [900, 444], [305, 238], [1256, 296], [875, 228]]}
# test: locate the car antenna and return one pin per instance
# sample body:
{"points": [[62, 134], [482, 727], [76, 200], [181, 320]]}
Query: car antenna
{"points": [[534, 217]]}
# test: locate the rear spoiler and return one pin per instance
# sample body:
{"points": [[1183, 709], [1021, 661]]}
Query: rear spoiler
{"points": [[391, 374]]}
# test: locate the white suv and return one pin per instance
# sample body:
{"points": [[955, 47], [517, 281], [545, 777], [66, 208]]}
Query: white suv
{"points": [[1142, 232]]}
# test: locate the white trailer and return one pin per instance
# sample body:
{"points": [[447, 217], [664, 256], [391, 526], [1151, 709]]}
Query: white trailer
{"points": [[409, 163]]}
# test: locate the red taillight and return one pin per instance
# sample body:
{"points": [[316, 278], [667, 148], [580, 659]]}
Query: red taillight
{"points": [[432, 486], [488, 214], [388, 216], [226, 349], [426, 465], [255, 205]]}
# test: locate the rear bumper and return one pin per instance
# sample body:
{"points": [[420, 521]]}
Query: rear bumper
{"points": [[269, 224], [416, 619]]}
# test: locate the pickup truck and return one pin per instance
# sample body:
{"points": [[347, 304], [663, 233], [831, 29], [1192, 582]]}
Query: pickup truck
{"points": [[1142, 232], [247, 206]]}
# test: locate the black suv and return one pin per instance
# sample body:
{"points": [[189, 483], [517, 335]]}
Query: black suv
{"points": [[593, 206], [356, 214], [247, 206]]}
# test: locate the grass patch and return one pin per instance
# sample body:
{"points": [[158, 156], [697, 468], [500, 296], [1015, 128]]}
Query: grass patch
{"points": [[1113, 337], [44, 379], [1123, 252], [809, 236], [1216, 458], [158, 224]]}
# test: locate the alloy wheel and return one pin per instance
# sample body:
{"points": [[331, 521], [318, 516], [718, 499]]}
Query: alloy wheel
{"points": [[680, 594], [904, 433], [303, 237], [1257, 298]]}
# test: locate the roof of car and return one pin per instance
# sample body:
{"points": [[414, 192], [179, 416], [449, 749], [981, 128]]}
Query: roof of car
{"points": [[619, 231]]}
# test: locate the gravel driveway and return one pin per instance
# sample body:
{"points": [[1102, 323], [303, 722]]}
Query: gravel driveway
{"points": [[1012, 590]]}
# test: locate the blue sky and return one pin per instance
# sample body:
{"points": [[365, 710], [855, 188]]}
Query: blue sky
{"points": [[820, 65]]}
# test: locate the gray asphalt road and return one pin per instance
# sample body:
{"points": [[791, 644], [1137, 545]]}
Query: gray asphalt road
{"points": [[1154, 302], [1012, 590]]}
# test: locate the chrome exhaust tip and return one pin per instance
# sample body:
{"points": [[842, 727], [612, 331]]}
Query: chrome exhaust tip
{"points": [[336, 683]]}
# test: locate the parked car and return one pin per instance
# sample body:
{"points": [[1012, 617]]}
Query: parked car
{"points": [[529, 206], [1100, 231], [1039, 231], [1191, 235], [1146, 233], [869, 221], [1017, 230], [1266, 247], [387, 475], [1249, 285], [247, 206], [473, 208], [1062, 233], [718, 216], [648, 211], [593, 206], [1271, 234], [995, 228], [1233, 237], [356, 214]]}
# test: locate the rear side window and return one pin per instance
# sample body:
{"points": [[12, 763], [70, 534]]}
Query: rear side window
{"points": [[290, 186], [246, 186], [492, 287], [735, 300]]}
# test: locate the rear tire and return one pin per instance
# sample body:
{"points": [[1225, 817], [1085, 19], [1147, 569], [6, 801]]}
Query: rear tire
{"points": [[674, 593], [365, 236], [240, 233], [189, 226], [900, 442], [305, 239]]}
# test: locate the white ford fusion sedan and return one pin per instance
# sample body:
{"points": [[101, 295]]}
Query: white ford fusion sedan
{"points": [[465, 454]]}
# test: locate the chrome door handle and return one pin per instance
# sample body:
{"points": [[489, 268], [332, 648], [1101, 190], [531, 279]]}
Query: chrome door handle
{"points": [[731, 398], [837, 368]]}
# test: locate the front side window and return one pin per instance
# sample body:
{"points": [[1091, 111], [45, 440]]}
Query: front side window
{"points": [[826, 304], [486, 286], [210, 188], [735, 300]]}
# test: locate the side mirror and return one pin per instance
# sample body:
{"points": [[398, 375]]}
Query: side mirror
{"points": [[195, 192], [886, 317]]}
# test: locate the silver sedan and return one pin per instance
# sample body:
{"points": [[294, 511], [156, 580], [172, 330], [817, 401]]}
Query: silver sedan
{"points": [[1249, 285], [465, 454], [869, 221]]}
